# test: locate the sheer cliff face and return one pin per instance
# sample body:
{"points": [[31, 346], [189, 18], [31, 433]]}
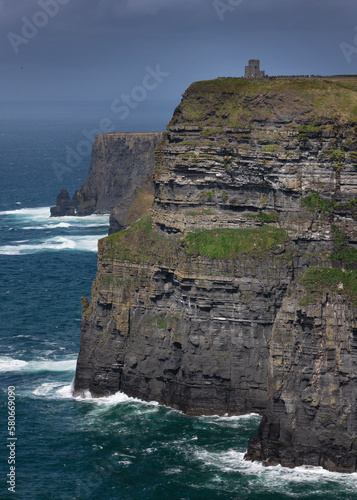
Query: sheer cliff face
{"points": [[189, 331], [247, 314], [312, 415], [236, 147], [121, 164]]}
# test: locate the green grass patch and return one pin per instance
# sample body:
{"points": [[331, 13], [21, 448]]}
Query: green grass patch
{"points": [[139, 243], [347, 256], [313, 202], [335, 155], [207, 132], [344, 253], [204, 211], [237, 103], [307, 300], [353, 155], [162, 323], [230, 243], [327, 279], [265, 216], [141, 205], [208, 195], [165, 322], [308, 130], [107, 279], [271, 148]]}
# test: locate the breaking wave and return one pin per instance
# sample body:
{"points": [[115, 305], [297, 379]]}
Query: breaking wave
{"points": [[86, 243], [8, 364]]}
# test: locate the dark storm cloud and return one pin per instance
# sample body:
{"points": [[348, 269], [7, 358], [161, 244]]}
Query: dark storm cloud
{"points": [[97, 48]]}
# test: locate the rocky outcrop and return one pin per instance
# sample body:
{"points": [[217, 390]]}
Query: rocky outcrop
{"points": [[121, 164], [132, 208], [64, 205], [237, 293], [312, 416], [186, 331], [282, 143]]}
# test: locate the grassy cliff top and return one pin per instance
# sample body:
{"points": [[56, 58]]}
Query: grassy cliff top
{"points": [[240, 102], [140, 243]]}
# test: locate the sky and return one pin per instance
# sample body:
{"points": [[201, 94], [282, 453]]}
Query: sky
{"points": [[71, 50]]}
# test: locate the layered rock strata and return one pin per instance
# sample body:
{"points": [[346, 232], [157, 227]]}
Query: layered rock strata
{"points": [[188, 331], [121, 164], [312, 412], [237, 294]]}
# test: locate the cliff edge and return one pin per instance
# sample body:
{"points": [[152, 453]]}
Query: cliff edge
{"points": [[121, 164], [237, 293]]}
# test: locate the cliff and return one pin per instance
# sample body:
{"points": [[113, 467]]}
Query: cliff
{"points": [[237, 293], [121, 164]]}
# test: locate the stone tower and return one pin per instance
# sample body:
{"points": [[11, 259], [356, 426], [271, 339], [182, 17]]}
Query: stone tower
{"points": [[253, 69]]}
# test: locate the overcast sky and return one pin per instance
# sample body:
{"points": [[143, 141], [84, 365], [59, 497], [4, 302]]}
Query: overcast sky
{"points": [[99, 49]]}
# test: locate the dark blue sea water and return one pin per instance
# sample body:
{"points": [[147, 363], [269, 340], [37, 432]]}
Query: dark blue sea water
{"points": [[115, 447]]}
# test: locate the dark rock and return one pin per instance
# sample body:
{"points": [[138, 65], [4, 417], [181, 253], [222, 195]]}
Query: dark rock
{"points": [[311, 417], [219, 335], [121, 164], [197, 344], [132, 208], [64, 205]]}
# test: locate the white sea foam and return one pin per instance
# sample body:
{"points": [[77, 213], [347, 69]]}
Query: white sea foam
{"points": [[65, 392], [42, 215], [55, 390], [274, 478], [172, 471], [32, 213], [26, 217], [114, 399], [87, 243], [67, 365], [47, 388], [226, 418], [8, 364], [50, 226], [86, 222]]}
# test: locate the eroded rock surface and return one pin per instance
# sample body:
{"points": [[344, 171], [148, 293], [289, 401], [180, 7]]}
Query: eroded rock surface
{"points": [[121, 164], [311, 417], [257, 312]]}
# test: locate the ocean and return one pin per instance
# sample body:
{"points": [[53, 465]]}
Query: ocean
{"points": [[83, 448]]}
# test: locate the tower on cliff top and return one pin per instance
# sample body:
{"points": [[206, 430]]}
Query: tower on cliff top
{"points": [[253, 70]]}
